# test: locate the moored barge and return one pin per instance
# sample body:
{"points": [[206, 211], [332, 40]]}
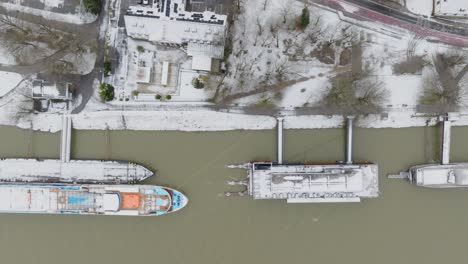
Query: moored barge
{"points": [[73, 171]]}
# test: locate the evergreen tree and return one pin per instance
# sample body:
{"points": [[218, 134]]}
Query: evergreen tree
{"points": [[93, 6], [304, 19]]}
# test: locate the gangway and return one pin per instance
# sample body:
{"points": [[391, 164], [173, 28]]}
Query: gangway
{"points": [[65, 142]]}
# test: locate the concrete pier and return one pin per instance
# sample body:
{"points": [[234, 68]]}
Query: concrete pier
{"points": [[65, 142], [349, 140], [280, 140], [445, 146]]}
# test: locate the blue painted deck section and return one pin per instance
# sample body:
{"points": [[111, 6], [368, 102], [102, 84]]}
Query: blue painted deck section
{"points": [[177, 200], [77, 199]]}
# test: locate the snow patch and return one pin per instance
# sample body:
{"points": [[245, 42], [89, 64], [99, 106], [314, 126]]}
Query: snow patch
{"points": [[421, 7], [9, 81]]}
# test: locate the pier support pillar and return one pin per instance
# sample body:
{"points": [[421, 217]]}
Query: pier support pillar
{"points": [[280, 140], [349, 140], [445, 146]]}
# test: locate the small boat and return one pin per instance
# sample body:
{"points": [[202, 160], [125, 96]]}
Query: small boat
{"points": [[132, 200], [453, 175], [74, 171]]}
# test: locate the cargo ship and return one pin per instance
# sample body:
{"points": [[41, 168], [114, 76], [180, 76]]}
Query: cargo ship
{"points": [[73, 171], [453, 175], [130, 200]]}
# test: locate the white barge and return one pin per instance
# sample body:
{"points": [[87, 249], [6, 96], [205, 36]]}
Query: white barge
{"points": [[312, 183], [340, 182], [74, 171], [453, 175], [443, 174], [132, 200]]}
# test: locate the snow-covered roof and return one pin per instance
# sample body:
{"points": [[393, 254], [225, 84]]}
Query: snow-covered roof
{"points": [[111, 202], [175, 27], [143, 75], [49, 90], [201, 63], [213, 51], [455, 8], [269, 181], [173, 31]]}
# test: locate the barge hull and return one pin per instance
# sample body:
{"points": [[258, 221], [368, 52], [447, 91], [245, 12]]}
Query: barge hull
{"points": [[453, 175], [74, 171]]}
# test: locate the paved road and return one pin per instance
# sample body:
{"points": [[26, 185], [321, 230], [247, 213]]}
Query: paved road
{"points": [[85, 84], [375, 12], [411, 18]]}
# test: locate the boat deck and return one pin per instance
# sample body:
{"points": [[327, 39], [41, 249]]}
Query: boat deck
{"points": [[296, 182]]}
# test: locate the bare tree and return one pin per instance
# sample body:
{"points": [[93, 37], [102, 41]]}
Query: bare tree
{"points": [[351, 95], [265, 4], [286, 10]]}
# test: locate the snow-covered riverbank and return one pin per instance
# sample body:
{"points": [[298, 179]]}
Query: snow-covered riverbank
{"points": [[205, 120]]}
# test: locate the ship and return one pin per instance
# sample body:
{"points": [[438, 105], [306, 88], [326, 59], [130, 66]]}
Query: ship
{"points": [[74, 171], [443, 174], [310, 183], [340, 182], [454, 175], [91, 199]]}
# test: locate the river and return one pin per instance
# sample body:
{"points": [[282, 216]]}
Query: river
{"points": [[407, 224]]}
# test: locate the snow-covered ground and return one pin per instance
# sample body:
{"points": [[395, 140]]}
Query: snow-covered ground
{"points": [[458, 8], [52, 3], [311, 76], [9, 81], [79, 18], [6, 57], [421, 7]]}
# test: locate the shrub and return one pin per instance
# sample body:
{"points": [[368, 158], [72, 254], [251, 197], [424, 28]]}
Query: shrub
{"points": [[93, 6], [168, 97], [135, 93], [413, 65], [304, 19], [197, 83], [106, 92], [158, 97], [107, 68], [140, 49]]}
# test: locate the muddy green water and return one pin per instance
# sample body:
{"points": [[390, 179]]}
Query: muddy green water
{"points": [[406, 224]]}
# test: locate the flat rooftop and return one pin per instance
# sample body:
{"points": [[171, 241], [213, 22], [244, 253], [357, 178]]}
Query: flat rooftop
{"points": [[176, 12], [308, 182]]}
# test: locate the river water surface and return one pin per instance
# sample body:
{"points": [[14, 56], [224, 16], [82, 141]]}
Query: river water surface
{"points": [[406, 224]]}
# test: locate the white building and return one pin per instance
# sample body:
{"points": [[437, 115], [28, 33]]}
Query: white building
{"points": [[167, 22], [451, 8], [51, 91]]}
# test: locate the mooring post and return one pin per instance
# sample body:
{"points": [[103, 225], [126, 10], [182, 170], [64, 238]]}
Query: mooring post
{"points": [[349, 140], [280, 139], [445, 146]]}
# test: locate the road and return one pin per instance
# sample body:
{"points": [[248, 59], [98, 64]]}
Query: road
{"points": [[369, 11]]}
